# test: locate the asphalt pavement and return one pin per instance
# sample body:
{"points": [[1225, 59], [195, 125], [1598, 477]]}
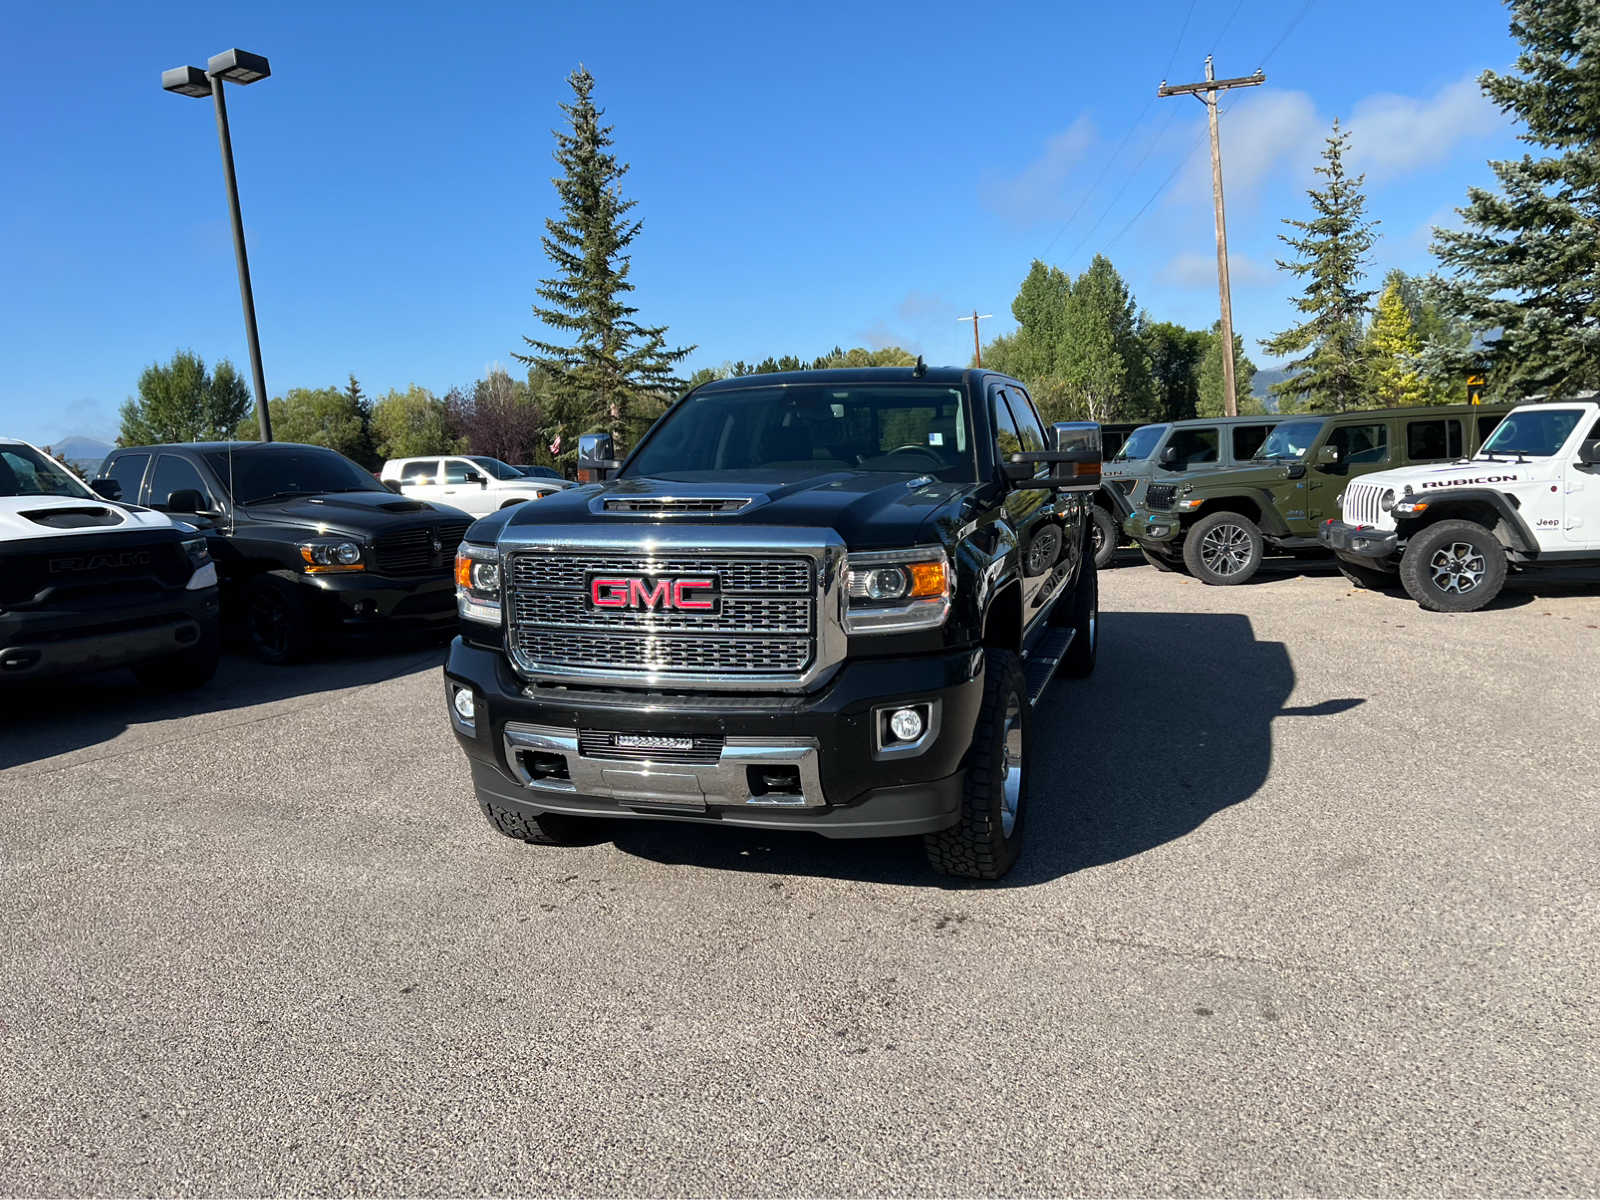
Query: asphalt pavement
{"points": [[1309, 906]]}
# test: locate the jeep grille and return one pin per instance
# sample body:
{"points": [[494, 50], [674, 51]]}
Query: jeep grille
{"points": [[1160, 495]]}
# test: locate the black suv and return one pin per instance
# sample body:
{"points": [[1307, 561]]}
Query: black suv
{"points": [[821, 600], [306, 541]]}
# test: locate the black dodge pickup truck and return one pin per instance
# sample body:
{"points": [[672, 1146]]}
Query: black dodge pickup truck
{"points": [[307, 542], [823, 600]]}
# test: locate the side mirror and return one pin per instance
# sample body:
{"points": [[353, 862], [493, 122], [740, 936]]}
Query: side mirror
{"points": [[1327, 456], [1169, 456], [474, 477], [597, 457], [1589, 452], [186, 500], [107, 489]]}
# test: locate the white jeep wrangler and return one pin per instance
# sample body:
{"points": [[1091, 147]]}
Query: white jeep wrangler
{"points": [[1529, 498]]}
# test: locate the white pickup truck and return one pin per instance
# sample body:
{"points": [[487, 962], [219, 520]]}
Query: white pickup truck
{"points": [[1529, 498], [474, 483], [89, 584]]}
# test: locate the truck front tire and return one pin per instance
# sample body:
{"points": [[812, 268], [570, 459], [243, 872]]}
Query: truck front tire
{"points": [[545, 829], [985, 842], [1223, 548], [276, 621], [1453, 566], [1104, 535], [1078, 662]]}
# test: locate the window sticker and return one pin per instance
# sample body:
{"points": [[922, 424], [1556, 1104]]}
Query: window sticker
{"points": [[936, 439]]}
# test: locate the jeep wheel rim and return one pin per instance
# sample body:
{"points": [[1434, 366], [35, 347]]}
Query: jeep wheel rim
{"points": [[1097, 538], [1011, 766], [1458, 567], [1225, 549]]}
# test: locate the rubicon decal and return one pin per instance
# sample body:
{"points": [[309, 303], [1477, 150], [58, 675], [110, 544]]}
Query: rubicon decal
{"points": [[1453, 483], [656, 593]]}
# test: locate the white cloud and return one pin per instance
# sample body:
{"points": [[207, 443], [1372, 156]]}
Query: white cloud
{"points": [[1390, 135], [1039, 191]]}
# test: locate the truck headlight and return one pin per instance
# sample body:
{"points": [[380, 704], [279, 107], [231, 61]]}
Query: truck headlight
{"points": [[1386, 501], [197, 550], [331, 555], [478, 583], [891, 591]]}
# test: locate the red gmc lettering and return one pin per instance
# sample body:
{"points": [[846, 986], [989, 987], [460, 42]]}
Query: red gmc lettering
{"points": [[609, 593], [640, 596]]}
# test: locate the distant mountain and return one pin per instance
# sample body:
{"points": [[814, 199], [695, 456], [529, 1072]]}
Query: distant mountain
{"points": [[1261, 384], [81, 452]]}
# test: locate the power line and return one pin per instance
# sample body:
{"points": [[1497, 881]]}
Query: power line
{"points": [[1288, 29], [1163, 186], [1216, 42], [1126, 184], [1178, 45]]}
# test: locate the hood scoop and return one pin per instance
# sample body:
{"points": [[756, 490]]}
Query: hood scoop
{"points": [[678, 506], [86, 517]]}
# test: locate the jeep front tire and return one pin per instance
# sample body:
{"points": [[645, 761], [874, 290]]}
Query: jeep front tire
{"points": [[1223, 548], [1103, 534], [1453, 566]]}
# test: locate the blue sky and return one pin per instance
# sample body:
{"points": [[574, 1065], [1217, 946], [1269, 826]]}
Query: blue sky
{"points": [[808, 175]]}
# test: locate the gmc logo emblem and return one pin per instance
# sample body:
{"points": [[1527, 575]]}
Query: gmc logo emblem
{"points": [[654, 593]]}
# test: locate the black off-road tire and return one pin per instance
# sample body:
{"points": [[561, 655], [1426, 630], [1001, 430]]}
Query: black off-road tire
{"points": [[1162, 562], [276, 622], [1371, 578], [1104, 535], [1443, 556], [1078, 662], [185, 670], [977, 846], [546, 829], [1223, 549]]}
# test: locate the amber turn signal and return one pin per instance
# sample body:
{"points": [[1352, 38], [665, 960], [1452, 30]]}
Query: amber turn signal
{"points": [[927, 579]]}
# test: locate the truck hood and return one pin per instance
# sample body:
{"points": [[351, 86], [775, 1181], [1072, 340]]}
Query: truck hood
{"points": [[1503, 474], [26, 517], [355, 513], [868, 509]]}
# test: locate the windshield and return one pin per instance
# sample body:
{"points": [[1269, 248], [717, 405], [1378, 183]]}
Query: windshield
{"points": [[26, 472], [1537, 433], [807, 429], [496, 468], [1141, 444], [255, 472], [1290, 440]]}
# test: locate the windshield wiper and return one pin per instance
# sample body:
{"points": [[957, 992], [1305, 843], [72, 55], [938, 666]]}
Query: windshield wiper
{"points": [[277, 496]]}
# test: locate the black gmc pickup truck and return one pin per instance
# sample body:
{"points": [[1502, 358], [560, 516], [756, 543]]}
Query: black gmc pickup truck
{"points": [[823, 600]]}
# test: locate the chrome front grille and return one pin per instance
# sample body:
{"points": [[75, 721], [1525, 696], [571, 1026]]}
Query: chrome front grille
{"points": [[1160, 495], [765, 628], [594, 743]]}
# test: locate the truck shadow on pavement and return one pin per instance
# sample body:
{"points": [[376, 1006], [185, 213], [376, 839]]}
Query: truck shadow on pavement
{"points": [[1174, 726], [51, 719]]}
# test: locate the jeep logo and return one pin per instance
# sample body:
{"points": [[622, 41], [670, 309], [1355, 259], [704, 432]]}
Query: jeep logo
{"points": [[653, 593], [101, 562]]}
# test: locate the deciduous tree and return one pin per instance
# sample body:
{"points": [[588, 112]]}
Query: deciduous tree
{"points": [[181, 401]]}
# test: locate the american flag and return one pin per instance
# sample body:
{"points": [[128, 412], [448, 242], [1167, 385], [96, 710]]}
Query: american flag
{"points": [[555, 446]]}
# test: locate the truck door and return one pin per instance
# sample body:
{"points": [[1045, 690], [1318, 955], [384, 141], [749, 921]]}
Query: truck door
{"points": [[420, 480], [1360, 449], [1030, 510], [1581, 516]]}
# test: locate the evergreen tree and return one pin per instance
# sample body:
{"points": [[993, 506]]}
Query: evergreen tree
{"points": [[1209, 384], [1332, 251], [615, 369], [1526, 270], [1392, 348]]}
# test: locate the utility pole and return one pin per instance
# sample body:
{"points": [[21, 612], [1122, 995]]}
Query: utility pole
{"points": [[1206, 92], [977, 348]]}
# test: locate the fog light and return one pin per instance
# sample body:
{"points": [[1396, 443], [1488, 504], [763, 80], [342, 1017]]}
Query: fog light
{"points": [[466, 709], [906, 724]]}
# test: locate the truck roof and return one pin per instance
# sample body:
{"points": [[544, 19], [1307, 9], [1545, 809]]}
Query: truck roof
{"points": [[946, 375]]}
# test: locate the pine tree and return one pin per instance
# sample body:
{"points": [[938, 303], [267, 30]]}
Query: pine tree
{"points": [[1209, 384], [616, 373], [1527, 270], [1392, 348], [1332, 251]]}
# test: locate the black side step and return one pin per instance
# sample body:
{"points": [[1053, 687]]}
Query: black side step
{"points": [[1040, 667]]}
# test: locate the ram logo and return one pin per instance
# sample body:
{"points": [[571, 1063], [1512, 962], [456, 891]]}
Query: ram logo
{"points": [[100, 562], [655, 593]]}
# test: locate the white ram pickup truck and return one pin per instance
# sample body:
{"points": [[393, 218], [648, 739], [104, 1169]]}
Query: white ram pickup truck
{"points": [[474, 483], [1529, 498]]}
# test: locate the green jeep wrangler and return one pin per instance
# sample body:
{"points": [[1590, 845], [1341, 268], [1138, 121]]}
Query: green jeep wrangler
{"points": [[1217, 526]]}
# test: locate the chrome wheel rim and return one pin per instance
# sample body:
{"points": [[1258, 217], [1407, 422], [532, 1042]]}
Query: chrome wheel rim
{"points": [[1097, 538], [1011, 766], [1225, 549], [1457, 568]]}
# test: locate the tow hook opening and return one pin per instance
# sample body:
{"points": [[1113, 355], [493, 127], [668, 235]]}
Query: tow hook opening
{"points": [[774, 781], [542, 766]]}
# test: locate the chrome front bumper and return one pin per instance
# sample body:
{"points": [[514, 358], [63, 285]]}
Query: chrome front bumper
{"points": [[728, 781]]}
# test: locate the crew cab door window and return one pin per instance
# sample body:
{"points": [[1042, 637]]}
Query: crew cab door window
{"points": [[174, 474], [1247, 440], [458, 471], [420, 474], [1007, 441], [1030, 430], [1361, 445], [128, 470], [1194, 446], [1433, 440]]}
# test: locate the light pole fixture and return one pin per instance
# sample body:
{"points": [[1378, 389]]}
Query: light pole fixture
{"points": [[235, 66]]}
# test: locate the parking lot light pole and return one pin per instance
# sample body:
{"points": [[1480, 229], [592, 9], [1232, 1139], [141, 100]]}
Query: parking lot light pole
{"points": [[241, 67]]}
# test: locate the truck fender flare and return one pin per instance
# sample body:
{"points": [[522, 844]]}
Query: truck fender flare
{"points": [[1113, 498], [1439, 504]]}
